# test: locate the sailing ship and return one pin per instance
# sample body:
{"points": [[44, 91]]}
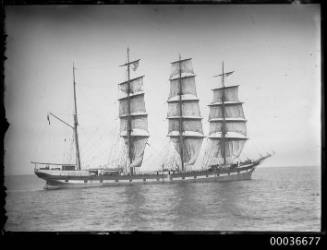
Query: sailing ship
{"points": [[224, 144]]}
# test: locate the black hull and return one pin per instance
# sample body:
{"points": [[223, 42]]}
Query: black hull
{"points": [[58, 180]]}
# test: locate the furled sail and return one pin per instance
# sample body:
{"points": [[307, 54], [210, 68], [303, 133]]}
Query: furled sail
{"points": [[227, 131], [133, 119], [184, 117]]}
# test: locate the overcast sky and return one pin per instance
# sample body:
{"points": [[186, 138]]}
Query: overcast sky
{"points": [[274, 50]]}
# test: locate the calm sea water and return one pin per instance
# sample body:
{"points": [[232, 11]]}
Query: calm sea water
{"points": [[276, 199]]}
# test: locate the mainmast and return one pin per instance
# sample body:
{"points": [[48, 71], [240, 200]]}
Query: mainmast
{"points": [[78, 160], [180, 93], [184, 117], [223, 129]]}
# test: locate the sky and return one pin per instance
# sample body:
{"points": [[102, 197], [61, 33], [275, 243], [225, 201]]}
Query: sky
{"points": [[273, 49]]}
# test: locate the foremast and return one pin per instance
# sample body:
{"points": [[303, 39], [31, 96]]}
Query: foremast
{"points": [[184, 118], [133, 116], [227, 132]]}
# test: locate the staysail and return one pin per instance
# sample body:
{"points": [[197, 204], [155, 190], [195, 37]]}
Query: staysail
{"points": [[227, 131], [133, 117], [185, 126]]}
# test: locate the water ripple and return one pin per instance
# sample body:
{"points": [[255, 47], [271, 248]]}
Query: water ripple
{"points": [[270, 202]]}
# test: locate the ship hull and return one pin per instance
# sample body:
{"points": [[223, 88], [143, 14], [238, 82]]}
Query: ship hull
{"points": [[58, 181]]}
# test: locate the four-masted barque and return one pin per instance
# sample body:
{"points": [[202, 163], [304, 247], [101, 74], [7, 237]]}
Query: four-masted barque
{"points": [[224, 144]]}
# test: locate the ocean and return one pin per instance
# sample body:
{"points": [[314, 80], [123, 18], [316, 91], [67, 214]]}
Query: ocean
{"points": [[276, 199]]}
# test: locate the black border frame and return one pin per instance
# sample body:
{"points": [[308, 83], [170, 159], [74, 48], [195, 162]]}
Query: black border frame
{"points": [[215, 238]]}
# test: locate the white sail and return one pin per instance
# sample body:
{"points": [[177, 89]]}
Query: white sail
{"points": [[139, 126], [182, 66], [172, 159], [231, 126], [233, 149], [187, 125], [135, 86], [188, 86], [136, 105], [137, 150], [231, 111], [191, 148], [189, 109], [230, 92]]}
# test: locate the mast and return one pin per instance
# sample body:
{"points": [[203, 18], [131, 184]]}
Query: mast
{"points": [[223, 130], [180, 93], [227, 131], [78, 160], [184, 116], [129, 127], [133, 116]]}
